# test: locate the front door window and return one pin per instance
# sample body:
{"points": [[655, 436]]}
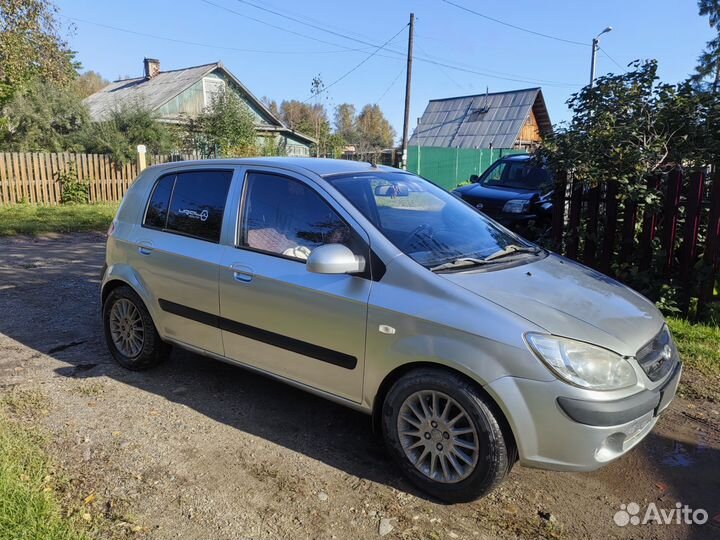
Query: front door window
{"points": [[283, 216]]}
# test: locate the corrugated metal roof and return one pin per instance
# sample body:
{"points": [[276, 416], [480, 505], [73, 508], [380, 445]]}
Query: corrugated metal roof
{"points": [[149, 93], [477, 121]]}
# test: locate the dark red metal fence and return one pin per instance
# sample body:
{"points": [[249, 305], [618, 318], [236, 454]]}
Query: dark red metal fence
{"points": [[669, 236]]}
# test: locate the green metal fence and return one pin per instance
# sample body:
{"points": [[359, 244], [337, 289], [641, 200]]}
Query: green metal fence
{"points": [[448, 167]]}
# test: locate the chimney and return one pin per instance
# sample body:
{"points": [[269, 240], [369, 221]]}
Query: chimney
{"points": [[152, 67]]}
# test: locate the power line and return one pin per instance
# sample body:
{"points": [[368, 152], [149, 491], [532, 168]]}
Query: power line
{"points": [[613, 60], [548, 36], [378, 100], [507, 77], [447, 76], [484, 74], [364, 42], [282, 29], [311, 25], [208, 45], [283, 9], [326, 88]]}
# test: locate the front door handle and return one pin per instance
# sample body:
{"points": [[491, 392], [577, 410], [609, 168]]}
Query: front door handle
{"points": [[242, 273]]}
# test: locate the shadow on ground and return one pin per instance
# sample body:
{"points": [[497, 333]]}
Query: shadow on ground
{"points": [[49, 301]]}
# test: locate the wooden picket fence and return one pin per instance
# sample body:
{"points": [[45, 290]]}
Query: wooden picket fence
{"points": [[676, 242], [33, 177]]}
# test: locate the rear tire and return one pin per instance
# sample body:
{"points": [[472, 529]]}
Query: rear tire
{"points": [[130, 333], [419, 432]]}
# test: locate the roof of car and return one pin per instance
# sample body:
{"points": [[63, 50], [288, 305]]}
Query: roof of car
{"points": [[517, 157], [319, 166]]}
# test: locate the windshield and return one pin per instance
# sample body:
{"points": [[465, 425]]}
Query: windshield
{"points": [[425, 222], [517, 175]]}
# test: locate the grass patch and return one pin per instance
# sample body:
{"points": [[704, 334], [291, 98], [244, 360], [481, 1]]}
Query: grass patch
{"points": [[25, 402], [88, 389], [31, 219], [29, 508], [699, 345]]}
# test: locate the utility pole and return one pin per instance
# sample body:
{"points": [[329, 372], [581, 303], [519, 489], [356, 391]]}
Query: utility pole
{"points": [[595, 47], [408, 80], [592, 60]]}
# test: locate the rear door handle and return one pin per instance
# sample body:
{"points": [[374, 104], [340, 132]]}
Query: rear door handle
{"points": [[242, 273], [145, 248]]}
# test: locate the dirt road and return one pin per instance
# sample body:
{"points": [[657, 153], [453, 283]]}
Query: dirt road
{"points": [[198, 449]]}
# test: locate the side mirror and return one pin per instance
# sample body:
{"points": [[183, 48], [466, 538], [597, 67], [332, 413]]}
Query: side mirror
{"points": [[474, 178], [334, 259]]}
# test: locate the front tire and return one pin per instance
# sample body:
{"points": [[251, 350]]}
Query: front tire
{"points": [[445, 436], [130, 333]]}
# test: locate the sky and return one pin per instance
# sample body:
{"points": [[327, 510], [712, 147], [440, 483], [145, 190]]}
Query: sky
{"points": [[456, 52]]}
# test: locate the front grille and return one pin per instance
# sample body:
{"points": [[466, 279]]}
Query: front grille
{"points": [[488, 206], [658, 356]]}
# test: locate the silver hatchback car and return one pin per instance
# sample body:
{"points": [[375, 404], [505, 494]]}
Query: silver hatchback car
{"points": [[470, 347]]}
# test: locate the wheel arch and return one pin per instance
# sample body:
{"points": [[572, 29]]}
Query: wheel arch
{"points": [[119, 275], [400, 371], [110, 285]]}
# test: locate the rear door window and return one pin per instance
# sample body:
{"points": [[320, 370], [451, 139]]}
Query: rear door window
{"points": [[198, 204], [189, 203]]}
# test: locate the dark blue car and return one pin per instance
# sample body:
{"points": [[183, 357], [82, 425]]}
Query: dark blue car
{"points": [[514, 191]]}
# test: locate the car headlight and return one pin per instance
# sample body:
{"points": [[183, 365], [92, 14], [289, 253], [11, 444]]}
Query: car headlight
{"points": [[583, 364], [516, 206]]}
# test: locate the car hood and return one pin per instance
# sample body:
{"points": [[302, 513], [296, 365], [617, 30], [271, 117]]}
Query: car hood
{"points": [[499, 194], [570, 300]]}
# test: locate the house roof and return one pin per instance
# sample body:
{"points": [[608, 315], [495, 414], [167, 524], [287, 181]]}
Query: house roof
{"points": [[154, 92], [480, 120]]}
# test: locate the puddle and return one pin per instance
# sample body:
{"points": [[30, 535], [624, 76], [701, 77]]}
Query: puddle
{"points": [[681, 455], [686, 448]]}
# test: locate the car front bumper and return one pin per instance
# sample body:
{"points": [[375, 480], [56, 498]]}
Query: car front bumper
{"points": [[513, 219], [558, 432]]}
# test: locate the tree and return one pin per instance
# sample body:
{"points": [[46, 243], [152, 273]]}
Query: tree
{"points": [[126, 128], [308, 119], [373, 129], [345, 122], [304, 117], [31, 47], [709, 61], [272, 106], [46, 117], [621, 129], [89, 82], [226, 127], [626, 132]]}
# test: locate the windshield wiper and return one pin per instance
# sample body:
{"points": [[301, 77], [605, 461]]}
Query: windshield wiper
{"points": [[459, 263], [511, 250], [462, 262]]}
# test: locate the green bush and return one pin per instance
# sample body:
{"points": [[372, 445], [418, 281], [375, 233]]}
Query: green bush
{"points": [[73, 190]]}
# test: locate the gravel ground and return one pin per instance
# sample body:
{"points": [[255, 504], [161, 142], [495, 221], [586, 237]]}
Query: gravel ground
{"points": [[198, 449]]}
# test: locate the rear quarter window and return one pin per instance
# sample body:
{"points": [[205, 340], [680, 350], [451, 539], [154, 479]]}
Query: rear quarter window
{"points": [[157, 209]]}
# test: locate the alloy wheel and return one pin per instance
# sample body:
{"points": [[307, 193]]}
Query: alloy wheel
{"points": [[126, 328], [438, 436]]}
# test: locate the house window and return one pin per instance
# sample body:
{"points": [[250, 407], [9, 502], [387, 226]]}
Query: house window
{"points": [[211, 88]]}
